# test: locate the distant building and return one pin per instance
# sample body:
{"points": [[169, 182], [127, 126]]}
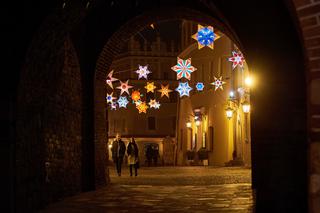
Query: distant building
{"points": [[202, 121], [157, 124]]}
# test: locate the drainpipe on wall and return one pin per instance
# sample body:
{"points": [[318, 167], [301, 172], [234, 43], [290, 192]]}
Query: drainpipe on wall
{"points": [[177, 132]]}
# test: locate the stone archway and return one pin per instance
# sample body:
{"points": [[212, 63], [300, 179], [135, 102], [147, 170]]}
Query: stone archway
{"points": [[274, 146], [308, 26]]}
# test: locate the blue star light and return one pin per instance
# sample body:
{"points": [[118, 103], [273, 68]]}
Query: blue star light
{"points": [[200, 86], [205, 36], [183, 89], [123, 101], [110, 98]]}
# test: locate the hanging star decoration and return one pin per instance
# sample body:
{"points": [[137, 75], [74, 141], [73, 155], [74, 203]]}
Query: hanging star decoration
{"points": [[157, 105], [135, 95], [165, 90], [110, 98], [205, 36], [183, 68], [183, 89], [200, 86], [123, 101], [124, 87], [154, 104], [143, 72], [110, 79], [218, 83], [113, 106], [138, 102], [150, 87], [142, 107], [236, 59]]}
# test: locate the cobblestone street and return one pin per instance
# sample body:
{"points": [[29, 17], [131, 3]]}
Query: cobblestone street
{"points": [[168, 189]]}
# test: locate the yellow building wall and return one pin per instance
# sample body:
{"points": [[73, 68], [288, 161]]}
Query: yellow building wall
{"points": [[209, 63]]}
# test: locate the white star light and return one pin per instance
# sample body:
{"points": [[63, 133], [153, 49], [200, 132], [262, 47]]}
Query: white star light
{"points": [[123, 101], [143, 72], [110, 79], [154, 104], [218, 83], [113, 105], [124, 87], [183, 89], [157, 105]]}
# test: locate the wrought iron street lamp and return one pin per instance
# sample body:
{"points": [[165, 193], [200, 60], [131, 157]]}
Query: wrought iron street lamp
{"points": [[229, 112], [246, 107], [189, 124]]}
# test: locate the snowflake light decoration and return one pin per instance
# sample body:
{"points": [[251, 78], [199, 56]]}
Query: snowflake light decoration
{"points": [[142, 107], [135, 95], [110, 79], [154, 104], [110, 98], [124, 87], [165, 90], [200, 86], [236, 59], [183, 68], [218, 83], [150, 87], [143, 72], [183, 89], [123, 101], [114, 106], [205, 36]]}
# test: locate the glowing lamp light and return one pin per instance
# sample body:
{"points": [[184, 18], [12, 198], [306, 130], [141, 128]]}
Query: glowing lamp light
{"points": [[246, 107], [248, 81], [189, 124], [198, 123], [231, 94], [110, 146], [229, 112]]}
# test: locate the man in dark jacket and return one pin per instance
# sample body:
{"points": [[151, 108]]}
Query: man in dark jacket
{"points": [[118, 151]]}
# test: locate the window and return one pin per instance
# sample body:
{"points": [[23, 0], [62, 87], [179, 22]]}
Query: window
{"points": [[151, 123], [211, 135], [194, 141], [181, 138], [165, 75], [189, 138], [123, 125], [173, 97], [204, 140], [174, 123]]}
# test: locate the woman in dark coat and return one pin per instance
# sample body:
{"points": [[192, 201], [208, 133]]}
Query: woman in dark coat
{"points": [[133, 156]]}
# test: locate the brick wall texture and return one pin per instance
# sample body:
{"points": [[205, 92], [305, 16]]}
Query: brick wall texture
{"points": [[50, 104], [308, 14]]}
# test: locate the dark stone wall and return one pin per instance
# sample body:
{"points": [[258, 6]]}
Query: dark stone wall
{"points": [[44, 122], [62, 129], [48, 149]]}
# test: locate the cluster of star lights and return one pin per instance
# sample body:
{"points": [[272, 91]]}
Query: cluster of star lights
{"points": [[205, 37]]}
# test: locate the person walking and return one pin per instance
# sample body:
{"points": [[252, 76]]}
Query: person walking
{"points": [[149, 154], [118, 151], [133, 156], [155, 155]]}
